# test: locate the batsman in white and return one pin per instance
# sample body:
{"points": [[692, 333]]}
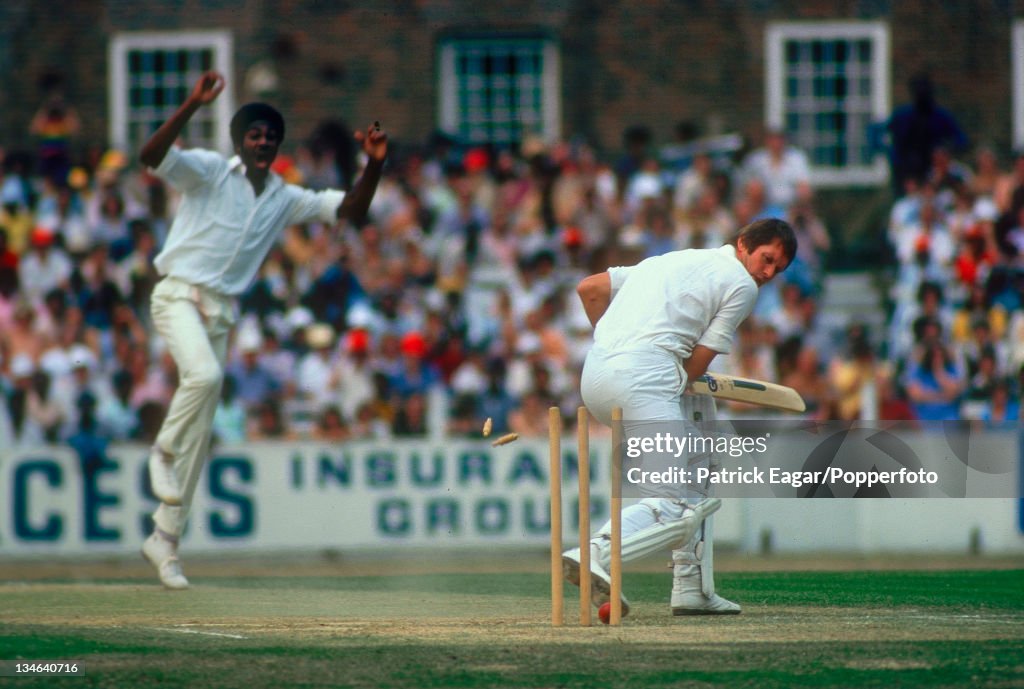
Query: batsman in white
{"points": [[657, 326], [231, 213]]}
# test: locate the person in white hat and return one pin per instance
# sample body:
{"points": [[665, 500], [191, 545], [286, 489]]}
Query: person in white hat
{"points": [[21, 428], [75, 377], [231, 213], [315, 381]]}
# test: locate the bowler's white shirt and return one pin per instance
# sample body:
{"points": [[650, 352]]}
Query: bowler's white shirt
{"points": [[222, 230], [676, 301]]}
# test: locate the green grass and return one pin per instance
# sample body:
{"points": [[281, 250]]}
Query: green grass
{"points": [[997, 590], [798, 629]]}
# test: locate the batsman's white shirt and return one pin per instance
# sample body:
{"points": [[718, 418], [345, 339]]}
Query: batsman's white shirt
{"points": [[222, 230], [678, 300], [660, 309]]}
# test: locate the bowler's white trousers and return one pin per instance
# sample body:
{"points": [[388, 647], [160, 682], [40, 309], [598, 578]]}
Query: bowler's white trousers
{"points": [[195, 322]]}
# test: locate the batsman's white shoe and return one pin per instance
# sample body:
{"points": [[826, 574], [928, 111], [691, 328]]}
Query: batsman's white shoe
{"points": [[600, 580], [163, 555], [162, 478], [688, 597]]}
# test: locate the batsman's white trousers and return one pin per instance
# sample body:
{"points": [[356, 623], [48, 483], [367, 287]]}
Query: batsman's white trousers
{"points": [[647, 384], [195, 323]]}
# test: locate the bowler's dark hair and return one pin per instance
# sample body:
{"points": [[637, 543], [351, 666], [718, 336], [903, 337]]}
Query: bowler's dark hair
{"points": [[766, 231], [254, 112]]}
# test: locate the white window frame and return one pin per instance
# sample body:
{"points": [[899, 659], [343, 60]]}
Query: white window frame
{"points": [[551, 101], [222, 44], [878, 32], [1017, 66]]}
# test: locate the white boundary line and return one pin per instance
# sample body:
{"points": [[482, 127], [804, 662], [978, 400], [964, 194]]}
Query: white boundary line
{"points": [[196, 631]]}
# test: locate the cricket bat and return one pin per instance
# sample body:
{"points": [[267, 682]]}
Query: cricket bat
{"points": [[757, 392]]}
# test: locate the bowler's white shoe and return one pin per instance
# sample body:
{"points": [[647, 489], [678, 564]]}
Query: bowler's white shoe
{"points": [[688, 597], [162, 478], [600, 580], [163, 555]]}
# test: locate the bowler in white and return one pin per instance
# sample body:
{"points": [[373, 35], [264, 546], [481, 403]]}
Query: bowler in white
{"points": [[231, 213]]}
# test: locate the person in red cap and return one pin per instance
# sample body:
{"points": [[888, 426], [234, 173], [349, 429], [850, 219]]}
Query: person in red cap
{"points": [[231, 213], [353, 373], [417, 373], [44, 267], [8, 268]]}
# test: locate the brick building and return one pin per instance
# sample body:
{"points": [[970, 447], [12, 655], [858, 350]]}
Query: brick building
{"points": [[494, 72]]}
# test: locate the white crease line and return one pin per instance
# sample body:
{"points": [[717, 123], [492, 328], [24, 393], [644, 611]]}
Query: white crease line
{"points": [[1005, 619], [196, 631], [973, 618]]}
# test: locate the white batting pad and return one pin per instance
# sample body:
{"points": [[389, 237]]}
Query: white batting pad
{"points": [[657, 525]]}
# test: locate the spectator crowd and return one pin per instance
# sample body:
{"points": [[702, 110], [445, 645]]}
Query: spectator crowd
{"points": [[455, 300]]}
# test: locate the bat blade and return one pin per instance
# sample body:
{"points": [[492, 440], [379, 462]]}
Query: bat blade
{"points": [[757, 392]]}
